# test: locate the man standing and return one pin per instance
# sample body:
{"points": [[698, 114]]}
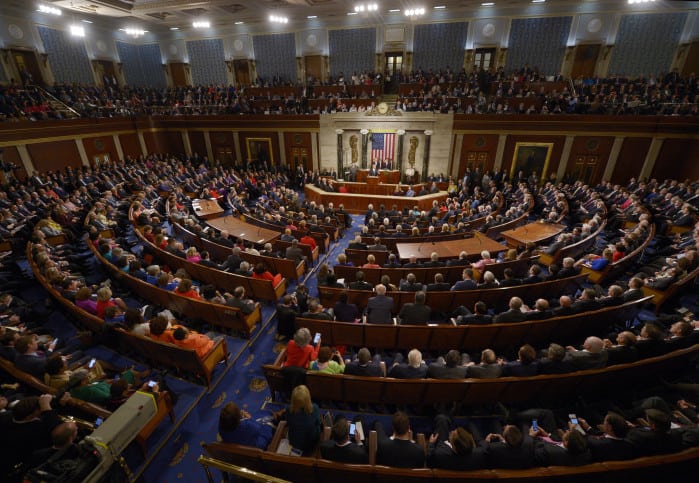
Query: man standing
{"points": [[379, 308]]}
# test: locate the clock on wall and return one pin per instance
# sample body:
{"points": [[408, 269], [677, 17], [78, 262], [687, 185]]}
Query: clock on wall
{"points": [[382, 108]]}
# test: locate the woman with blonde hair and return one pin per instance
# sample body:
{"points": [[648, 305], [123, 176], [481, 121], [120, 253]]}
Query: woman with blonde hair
{"points": [[104, 300], [303, 420]]}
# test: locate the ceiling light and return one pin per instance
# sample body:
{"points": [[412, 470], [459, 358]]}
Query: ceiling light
{"points": [[201, 24], [277, 19], [538, 1], [351, 13], [77, 31], [414, 12], [134, 32], [370, 7], [86, 21], [50, 10], [487, 4], [440, 7], [631, 2], [312, 16], [174, 28], [239, 22], [394, 10]]}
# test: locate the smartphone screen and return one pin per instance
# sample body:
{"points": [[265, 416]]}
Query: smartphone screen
{"points": [[98, 421], [535, 425], [316, 339], [151, 384], [573, 419], [92, 363], [353, 428]]}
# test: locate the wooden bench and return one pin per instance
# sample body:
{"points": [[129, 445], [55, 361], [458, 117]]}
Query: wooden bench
{"points": [[613, 270], [507, 337], [181, 359], [495, 231], [549, 389], [496, 298], [220, 316], [287, 268], [311, 254], [257, 288], [573, 250], [316, 470], [662, 296]]}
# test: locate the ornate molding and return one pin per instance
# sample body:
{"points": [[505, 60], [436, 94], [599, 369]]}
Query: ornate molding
{"points": [[391, 112]]}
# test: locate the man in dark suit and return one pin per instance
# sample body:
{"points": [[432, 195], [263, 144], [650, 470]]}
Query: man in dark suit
{"points": [[610, 443], [540, 311], [615, 297], [410, 284], [461, 261], [439, 284], [478, 317], [448, 368], [487, 369], [509, 279], [555, 362], [233, 261], [534, 275], [592, 355], [364, 365], [624, 351], [29, 358], [392, 262], [569, 269], [453, 450], [514, 314], [510, 450], [225, 240], [417, 313], [378, 246], [340, 448], [239, 301], [415, 368], [357, 244], [294, 252], [654, 439], [206, 260], [434, 261], [565, 307], [587, 301], [379, 309], [359, 282], [467, 282], [634, 291], [399, 451]]}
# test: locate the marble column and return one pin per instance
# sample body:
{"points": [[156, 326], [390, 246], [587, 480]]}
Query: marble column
{"points": [[399, 158], [426, 157], [365, 142], [340, 170]]}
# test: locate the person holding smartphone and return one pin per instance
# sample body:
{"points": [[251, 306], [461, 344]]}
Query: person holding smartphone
{"points": [[299, 351], [344, 446]]}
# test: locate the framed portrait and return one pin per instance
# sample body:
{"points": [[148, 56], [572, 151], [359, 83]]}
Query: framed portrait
{"points": [[530, 157], [260, 149]]}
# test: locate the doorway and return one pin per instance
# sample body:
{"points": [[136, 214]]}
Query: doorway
{"points": [[484, 59], [241, 68], [28, 67], [586, 56], [394, 66], [179, 74], [314, 69]]}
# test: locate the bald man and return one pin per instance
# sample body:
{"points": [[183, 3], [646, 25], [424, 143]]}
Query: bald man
{"points": [[379, 309]]}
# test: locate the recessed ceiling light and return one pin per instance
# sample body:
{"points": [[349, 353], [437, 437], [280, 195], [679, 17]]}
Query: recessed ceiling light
{"points": [[174, 28], [394, 10], [487, 4], [86, 21], [538, 1], [239, 22], [312, 16], [439, 7], [351, 13]]}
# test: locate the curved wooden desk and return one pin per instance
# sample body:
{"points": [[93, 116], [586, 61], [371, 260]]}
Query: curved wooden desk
{"points": [[357, 202]]}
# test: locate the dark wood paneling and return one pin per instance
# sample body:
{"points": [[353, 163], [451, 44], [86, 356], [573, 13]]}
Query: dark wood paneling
{"points": [[196, 141], [54, 155], [691, 65], [130, 145], [585, 60], [99, 146], [555, 153], [297, 142], [478, 150], [589, 147], [163, 142], [173, 141], [631, 158], [677, 159]]}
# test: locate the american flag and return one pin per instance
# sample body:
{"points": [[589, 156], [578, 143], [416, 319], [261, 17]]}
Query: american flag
{"points": [[383, 146]]}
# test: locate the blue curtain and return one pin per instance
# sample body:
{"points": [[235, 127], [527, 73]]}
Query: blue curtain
{"points": [[67, 56]]}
